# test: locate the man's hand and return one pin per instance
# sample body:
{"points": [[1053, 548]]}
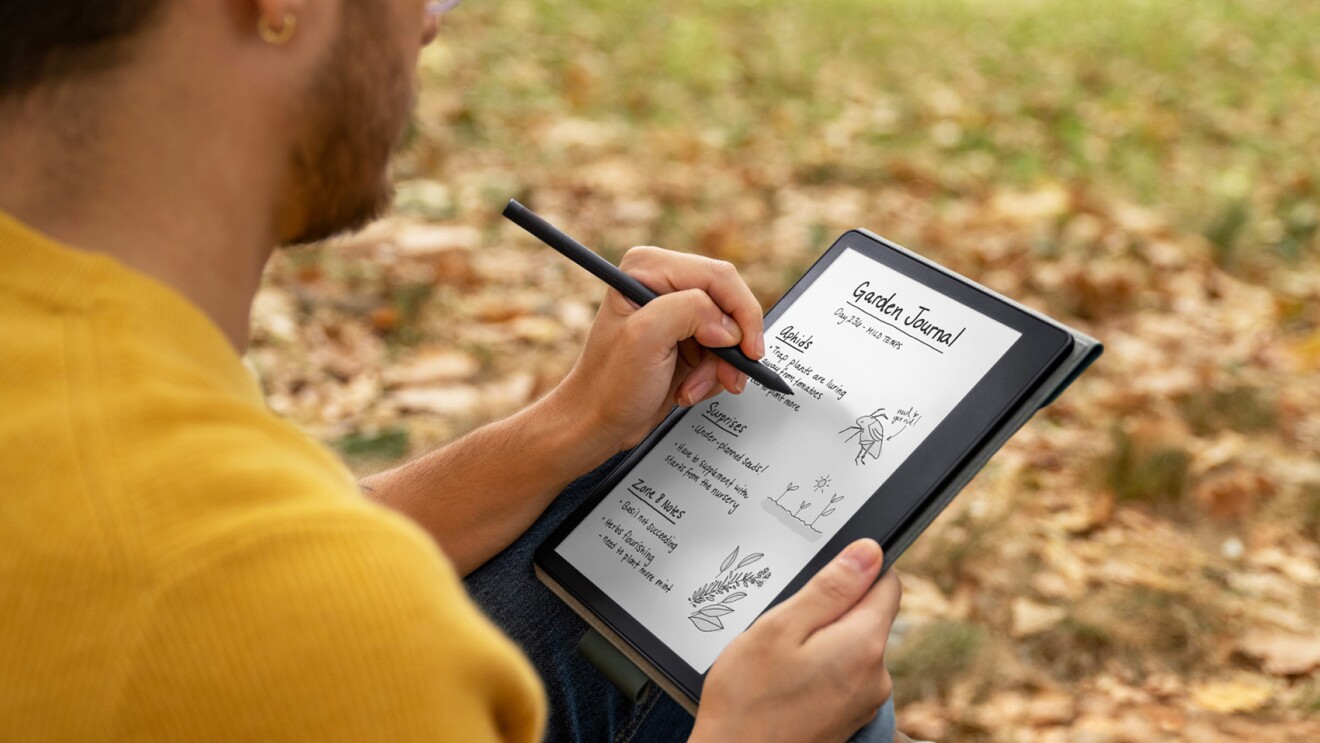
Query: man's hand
{"points": [[640, 362], [812, 668], [478, 494]]}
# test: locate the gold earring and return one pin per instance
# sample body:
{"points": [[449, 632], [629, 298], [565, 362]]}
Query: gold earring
{"points": [[282, 35]]}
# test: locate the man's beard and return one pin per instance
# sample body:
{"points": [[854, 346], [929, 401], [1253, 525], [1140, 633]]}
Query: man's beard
{"points": [[357, 107]]}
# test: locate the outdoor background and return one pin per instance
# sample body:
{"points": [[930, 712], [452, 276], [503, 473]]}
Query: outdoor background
{"points": [[1140, 563]]}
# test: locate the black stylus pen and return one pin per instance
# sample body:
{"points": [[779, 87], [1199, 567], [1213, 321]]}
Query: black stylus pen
{"points": [[628, 286]]}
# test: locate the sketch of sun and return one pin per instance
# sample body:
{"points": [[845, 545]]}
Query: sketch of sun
{"points": [[822, 483]]}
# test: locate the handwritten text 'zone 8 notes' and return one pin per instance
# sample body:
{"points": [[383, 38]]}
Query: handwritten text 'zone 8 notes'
{"points": [[735, 500]]}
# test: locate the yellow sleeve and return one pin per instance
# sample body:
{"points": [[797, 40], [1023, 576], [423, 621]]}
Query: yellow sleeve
{"points": [[330, 627]]}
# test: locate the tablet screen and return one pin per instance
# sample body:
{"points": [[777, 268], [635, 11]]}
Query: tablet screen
{"points": [[708, 528]]}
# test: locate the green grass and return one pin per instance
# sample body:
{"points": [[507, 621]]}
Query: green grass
{"points": [[1137, 471], [1204, 110], [934, 657], [362, 448], [1242, 408]]}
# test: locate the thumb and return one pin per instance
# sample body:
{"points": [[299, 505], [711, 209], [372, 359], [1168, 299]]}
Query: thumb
{"points": [[835, 589]]}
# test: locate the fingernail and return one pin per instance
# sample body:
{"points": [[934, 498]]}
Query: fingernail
{"points": [[731, 327], [760, 346], [741, 383], [698, 391], [861, 555]]}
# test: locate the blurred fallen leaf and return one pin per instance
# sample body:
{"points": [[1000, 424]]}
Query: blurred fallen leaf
{"points": [[430, 367], [510, 393], [498, 310], [538, 329], [1088, 515], [1244, 693], [724, 240], [922, 599], [1307, 351], [424, 198], [386, 319], [1051, 707], [446, 249], [455, 400], [924, 719], [1295, 566], [1031, 618], [1283, 654], [417, 240], [1232, 493], [1044, 203]]}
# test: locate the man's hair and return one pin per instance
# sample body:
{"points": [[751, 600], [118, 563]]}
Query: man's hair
{"points": [[54, 41]]}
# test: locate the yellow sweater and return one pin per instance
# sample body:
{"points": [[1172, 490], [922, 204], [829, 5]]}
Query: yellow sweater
{"points": [[176, 563]]}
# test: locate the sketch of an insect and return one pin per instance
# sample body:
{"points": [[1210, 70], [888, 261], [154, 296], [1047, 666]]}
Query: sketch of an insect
{"points": [[870, 435]]}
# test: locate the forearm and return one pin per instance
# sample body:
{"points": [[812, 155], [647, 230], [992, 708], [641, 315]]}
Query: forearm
{"points": [[476, 495]]}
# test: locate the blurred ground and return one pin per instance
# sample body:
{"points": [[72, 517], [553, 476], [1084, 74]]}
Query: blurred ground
{"points": [[1141, 562]]}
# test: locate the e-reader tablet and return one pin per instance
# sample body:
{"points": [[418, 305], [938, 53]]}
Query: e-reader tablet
{"points": [[906, 378]]}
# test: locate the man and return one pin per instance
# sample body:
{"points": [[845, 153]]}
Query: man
{"points": [[176, 562]]}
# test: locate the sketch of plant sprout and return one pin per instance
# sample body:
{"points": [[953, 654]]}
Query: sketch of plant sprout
{"points": [[829, 509], [870, 435], [791, 487], [793, 517], [707, 618]]}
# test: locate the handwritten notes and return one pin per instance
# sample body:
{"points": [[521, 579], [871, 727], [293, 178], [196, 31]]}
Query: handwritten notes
{"points": [[734, 501]]}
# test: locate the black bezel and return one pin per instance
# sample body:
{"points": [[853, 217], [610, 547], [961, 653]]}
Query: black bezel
{"points": [[912, 486]]}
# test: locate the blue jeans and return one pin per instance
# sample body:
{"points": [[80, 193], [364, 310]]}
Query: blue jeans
{"points": [[584, 705]]}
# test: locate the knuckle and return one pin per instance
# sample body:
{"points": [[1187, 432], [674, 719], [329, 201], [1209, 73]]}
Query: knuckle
{"points": [[698, 301], [638, 255], [724, 268]]}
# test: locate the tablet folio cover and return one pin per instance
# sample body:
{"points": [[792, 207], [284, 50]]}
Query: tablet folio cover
{"points": [[1084, 351]]}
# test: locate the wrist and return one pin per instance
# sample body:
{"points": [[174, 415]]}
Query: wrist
{"points": [[574, 429]]}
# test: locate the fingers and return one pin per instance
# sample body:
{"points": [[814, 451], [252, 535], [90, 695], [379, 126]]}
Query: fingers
{"points": [[671, 318], [732, 379], [838, 587], [874, 614], [709, 378], [666, 272], [700, 384]]}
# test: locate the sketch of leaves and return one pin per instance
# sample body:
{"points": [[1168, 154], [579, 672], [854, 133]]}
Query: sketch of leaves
{"points": [[836, 499], [827, 512], [748, 560], [729, 560], [718, 610], [734, 597], [707, 624]]}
